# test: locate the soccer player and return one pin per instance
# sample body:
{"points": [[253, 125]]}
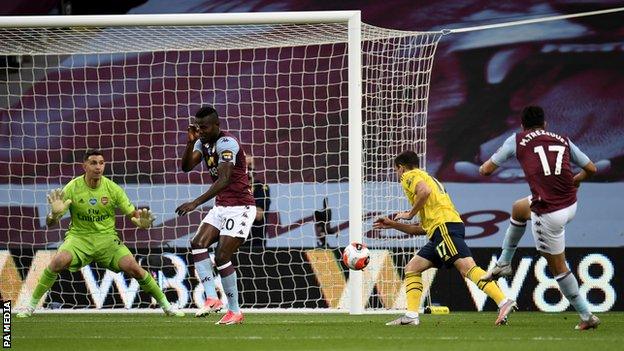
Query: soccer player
{"points": [[445, 230], [92, 200], [545, 158], [229, 221]]}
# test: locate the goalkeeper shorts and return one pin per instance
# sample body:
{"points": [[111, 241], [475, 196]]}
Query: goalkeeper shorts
{"points": [[104, 249]]}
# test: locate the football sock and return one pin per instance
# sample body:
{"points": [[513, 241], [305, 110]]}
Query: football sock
{"points": [[148, 284], [204, 269], [228, 279], [514, 233], [570, 289], [413, 291], [46, 281], [489, 287]]}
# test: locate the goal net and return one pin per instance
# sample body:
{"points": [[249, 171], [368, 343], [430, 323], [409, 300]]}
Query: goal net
{"points": [[281, 88]]}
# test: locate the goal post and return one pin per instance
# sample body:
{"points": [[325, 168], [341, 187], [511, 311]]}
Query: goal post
{"points": [[322, 101]]}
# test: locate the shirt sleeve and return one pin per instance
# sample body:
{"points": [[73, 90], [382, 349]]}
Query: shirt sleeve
{"points": [[505, 152], [227, 149], [409, 183], [122, 200], [198, 146], [577, 156]]}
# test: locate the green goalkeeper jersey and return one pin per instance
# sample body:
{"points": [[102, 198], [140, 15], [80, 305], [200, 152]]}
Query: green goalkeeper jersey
{"points": [[93, 210]]}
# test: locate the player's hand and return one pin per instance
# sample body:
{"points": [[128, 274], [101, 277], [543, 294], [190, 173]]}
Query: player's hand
{"points": [[58, 207], [144, 220], [383, 223], [186, 208], [193, 133], [403, 215]]}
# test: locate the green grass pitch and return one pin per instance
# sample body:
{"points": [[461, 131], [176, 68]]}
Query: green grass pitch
{"points": [[456, 331]]}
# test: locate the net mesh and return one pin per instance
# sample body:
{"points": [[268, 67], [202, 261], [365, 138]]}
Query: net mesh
{"points": [[281, 89]]}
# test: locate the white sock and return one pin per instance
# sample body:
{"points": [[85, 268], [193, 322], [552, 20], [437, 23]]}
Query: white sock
{"points": [[411, 314]]}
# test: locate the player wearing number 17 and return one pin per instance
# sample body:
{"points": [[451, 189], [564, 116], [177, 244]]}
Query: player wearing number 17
{"points": [[445, 231], [229, 221], [545, 159]]}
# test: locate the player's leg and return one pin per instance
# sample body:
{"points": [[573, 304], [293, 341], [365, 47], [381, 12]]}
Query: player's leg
{"points": [[413, 284], [454, 251], [520, 214], [568, 285], [236, 226], [549, 234], [70, 255], [226, 248], [124, 261], [207, 234]]}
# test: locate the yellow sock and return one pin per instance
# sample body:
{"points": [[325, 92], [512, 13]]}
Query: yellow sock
{"points": [[487, 286], [413, 290]]}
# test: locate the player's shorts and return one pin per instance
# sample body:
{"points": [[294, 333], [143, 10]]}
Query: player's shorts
{"points": [[235, 221], [549, 229], [105, 249], [446, 245]]}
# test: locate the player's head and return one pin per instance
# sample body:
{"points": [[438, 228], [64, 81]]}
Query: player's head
{"points": [[207, 122], [532, 117], [93, 164], [405, 161]]}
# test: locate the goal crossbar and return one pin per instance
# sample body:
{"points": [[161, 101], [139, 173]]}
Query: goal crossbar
{"points": [[187, 19]]}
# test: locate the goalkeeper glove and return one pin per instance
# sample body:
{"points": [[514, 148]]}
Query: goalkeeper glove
{"points": [[58, 207], [144, 220]]}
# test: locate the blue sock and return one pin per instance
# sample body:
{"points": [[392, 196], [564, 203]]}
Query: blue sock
{"points": [[203, 266], [228, 279], [570, 289], [514, 233]]}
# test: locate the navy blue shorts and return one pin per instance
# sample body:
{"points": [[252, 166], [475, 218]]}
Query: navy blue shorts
{"points": [[446, 245]]}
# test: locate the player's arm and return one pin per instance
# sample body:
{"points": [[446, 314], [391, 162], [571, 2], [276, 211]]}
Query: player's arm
{"points": [[409, 228], [224, 177], [142, 218], [192, 156], [58, 204], [588, 168], [507, 150], [420, 197]]}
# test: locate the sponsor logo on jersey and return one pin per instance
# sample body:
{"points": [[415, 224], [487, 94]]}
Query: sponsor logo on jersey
{"points": [[227, 155], [93, 201], [104, 200]]}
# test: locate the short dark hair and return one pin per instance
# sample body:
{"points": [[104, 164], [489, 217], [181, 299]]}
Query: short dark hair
{"points": [[207, 111], [532, 116], [409, 159], [92, 152]]}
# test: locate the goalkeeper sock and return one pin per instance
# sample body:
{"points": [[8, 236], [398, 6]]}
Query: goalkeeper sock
{"points": [[149, 285], [489, 287], [514, 233], [228, 280], [203, 267], [413, 291], [46, 281], [570, 289]]}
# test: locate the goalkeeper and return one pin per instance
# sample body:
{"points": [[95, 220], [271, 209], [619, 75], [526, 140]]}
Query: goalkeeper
{"points": [[92, 200]]}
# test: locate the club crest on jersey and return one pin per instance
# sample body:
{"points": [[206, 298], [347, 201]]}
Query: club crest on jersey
{"points": [[93, 201], [104, 200], [227, 155]]}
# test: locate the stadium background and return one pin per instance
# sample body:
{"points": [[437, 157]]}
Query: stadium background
{"points": [[480, 82]]}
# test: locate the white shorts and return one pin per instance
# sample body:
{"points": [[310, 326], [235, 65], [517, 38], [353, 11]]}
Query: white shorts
{"points": [[549, 229], [233, 221]]}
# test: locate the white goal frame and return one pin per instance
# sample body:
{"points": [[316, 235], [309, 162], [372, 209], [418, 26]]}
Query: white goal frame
{"points": [[353, 18]]}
